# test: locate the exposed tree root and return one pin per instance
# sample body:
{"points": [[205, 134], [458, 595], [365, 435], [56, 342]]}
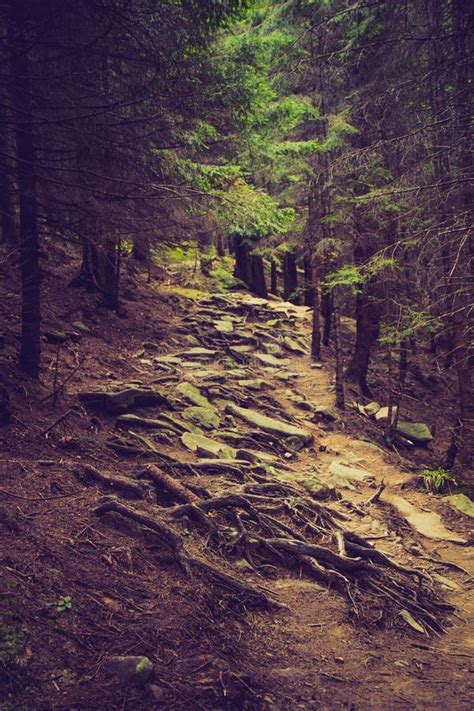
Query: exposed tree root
{"points": [[306, 535], [243, 590]]}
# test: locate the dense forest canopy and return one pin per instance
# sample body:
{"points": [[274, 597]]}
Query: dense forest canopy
{"points": [[327, 142]]}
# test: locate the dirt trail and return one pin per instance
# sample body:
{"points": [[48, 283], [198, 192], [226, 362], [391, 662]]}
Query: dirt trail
{"points": [[182, 565], [321, 659]]}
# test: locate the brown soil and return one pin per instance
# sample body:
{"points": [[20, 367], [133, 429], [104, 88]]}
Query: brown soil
{"points": [[212, 649]]}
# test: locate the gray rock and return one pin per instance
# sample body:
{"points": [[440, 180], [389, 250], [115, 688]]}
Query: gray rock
{"points": [[81, 327], [270, 424], [134, 670], [416, 432], [382, 414], [205, 417], [193, 395], [207, 447], [55, 336]]}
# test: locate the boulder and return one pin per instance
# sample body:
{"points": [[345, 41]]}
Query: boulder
{"points": [[416, 432], [270, 424]]}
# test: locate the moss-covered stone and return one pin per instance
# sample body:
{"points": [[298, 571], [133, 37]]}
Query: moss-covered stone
{"points": [[270, 424]]}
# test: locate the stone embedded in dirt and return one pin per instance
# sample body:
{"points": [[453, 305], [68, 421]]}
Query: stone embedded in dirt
{"points": [[224, 326], [55, 337], [272, 349], [461, 503], [292, 345], [285, 376], [204, 446], [270, 360], [321, 412], [253, 384], [205, 417], [416, 432], [135, 670], [317, 366], [81, 327], [369, 410], [343, 475], [428, 523], [269, 424], [135, 420], [167, 360], [120, 401], [193, 395], [382, 414], [198, 353]]}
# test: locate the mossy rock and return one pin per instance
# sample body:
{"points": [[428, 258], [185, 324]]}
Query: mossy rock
{"points": [[270, 424], [205, 417], [416, 432], [206, 446], [193, 394], [461, 503]]}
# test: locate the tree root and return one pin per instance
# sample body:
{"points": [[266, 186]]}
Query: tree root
{"points": [[186, 562]]}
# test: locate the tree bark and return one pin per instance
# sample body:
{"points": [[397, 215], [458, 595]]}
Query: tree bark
{"points": [[29, 240], [257, 283], [316, 323], [273, 278], [326, 311], [242, 260], [340, 397], [308, 281], [290, 278], [367, 326]]}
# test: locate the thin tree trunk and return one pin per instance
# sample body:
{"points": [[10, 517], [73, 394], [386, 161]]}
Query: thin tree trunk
{"points": [[340, 398], [366, 329], [308, 281], [29, 242], [316, 327], [326, 311], [290, 278], [273, 278]]}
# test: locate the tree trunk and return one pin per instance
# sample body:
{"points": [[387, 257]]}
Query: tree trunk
{"points": [[340, 398], [367, 319], [9, 233], [273, 278], [242, 260], [110, 273], [141, 249], [290, 278], [308, 281], [316, 327], [29, 242], [326, 311], [257, 284]]}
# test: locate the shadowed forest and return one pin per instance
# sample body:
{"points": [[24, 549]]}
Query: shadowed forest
{"points": [[236, 355]]}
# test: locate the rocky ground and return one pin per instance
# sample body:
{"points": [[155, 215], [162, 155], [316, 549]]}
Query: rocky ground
{"points": [[198, 503]]}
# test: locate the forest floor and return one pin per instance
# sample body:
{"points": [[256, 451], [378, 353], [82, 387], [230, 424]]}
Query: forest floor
{"points": [[216, 595]]}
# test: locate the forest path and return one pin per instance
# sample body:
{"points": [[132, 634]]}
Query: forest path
{"points": [[322, 660], [206, 475], [317, 656]]}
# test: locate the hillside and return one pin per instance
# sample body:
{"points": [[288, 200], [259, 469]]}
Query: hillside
{"points": [[222, 550]]}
